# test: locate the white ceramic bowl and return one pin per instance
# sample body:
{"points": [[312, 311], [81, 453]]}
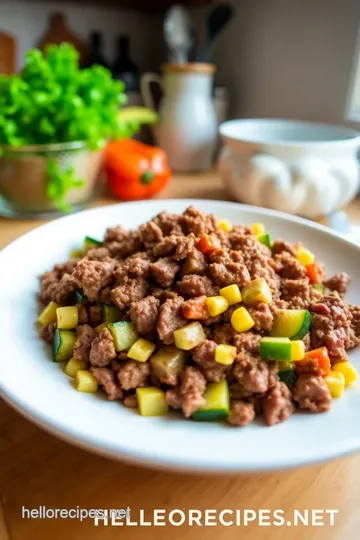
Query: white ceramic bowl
{"points": [[38, 388], [298, 167]]}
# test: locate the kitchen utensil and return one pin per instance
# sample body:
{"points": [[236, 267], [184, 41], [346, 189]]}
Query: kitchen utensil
{"points": [[178, 34], [7, 54], [298, 167], [187, 127], [217, 20]]}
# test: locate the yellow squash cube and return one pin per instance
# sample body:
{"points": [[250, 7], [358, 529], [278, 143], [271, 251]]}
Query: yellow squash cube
{"points": [[335, 382], [348, 370], [216, 305], [141, 350], [257, 228], [48, 315], [232, 294], [189, 336], [225, 225], [304, 256], [225, 354], [297, 350], [241, 320], [67, 317], [256, 291], [101, 327], [86, 382], [151, 401], [73, 366]]}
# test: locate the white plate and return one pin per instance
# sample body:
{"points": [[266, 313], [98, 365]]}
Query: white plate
{"points": [[39, 390]]}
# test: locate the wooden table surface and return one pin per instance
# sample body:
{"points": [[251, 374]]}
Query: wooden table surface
{"points": [[37, 469]]}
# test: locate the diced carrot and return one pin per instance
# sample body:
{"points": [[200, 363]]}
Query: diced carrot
{"points": [[196, 308], [321, 355], [208, 243], [315, 272]]}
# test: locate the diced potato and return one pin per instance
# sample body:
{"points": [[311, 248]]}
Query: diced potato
{"points": [[232, 294], [348, 370], [189, 336], [151, 401], [48, 315], [335, 383], [225, 354], [73, 366], [241, 320], [304, 256], [256, 291], [167, 363], [101, 327], [297, 350], [67, 317], [225, 225], [257, 228], [86, 382], [141, 350], [124, 335], [216, 305]]}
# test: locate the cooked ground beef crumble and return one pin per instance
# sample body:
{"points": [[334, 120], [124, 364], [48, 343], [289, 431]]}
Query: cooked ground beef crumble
{"points": [[158, 279]]}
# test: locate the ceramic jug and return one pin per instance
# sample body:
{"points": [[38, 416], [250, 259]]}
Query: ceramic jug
{"points": [[187, 127]]}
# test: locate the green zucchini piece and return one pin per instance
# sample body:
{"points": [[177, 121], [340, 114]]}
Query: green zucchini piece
{"points": [[124, 335], [291, 323], [275, 349], [264, 238], [90, 243], [63, 344], [319, 287], [76, 297], [288, 377], [217, 406], [110, 314]]}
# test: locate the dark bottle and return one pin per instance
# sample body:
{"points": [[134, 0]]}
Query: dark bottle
{"points": [[96, 55], [124, 68]]}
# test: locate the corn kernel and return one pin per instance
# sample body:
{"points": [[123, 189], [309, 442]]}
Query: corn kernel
{"points": [[141, 350], [216, 305], [101, 327], [304, 256], [232, 294], [73, 366], [347, 370], [48, 315], [225, 354], [225, 225], [86, 382], [241, 320], [257, 228], [297, 350], [335, 383]]}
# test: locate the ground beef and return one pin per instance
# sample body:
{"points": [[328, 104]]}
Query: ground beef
{"points": [[195, 263], [297, 292], [184, 246], [95, 314], [106, 378], [194, 285], [223, 333], [91, 276], [131, 291], [85, 337], [122, 243], [170, 319], [241, 413], [150, 234], [289, 267], [277, 404], [254, 375], [47, 332], [98, 254], [192, 388], [229, 273], [247, 342], [102, 349], [262, 316], [355, 321], [56, 286], [312, 393], [280, 246], [168, 223], [164, 271], [173, 398], [65, 268], [134, 267], [132, 374], [339, 282], [130, 401], [144, 314], [204, 357], [83, 312]]}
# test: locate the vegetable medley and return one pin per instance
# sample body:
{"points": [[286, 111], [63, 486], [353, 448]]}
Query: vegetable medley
{"points": [[195, 314]]}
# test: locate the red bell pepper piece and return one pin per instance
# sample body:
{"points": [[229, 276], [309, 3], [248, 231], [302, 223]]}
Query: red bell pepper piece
{"points": [[315, 272], [208, 243]]}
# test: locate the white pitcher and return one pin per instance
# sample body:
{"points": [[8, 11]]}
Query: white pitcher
{"points": [[187, 127]]}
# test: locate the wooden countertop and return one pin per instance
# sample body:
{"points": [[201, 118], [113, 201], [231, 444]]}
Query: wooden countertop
{"points": [[37, 469]]}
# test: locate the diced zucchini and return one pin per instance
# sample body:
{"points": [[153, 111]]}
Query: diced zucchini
{"points": [[141, 350], [100, 327], [189, 336], [292, 323], [286, 366], [73, 366], [264, 238], [275, 349], [225, 354], [297, 350], [86, 382], [151, 401], [319, 287], [67, 317], [78, 297], [63, 344], [110, 314], [232, 294], [288, 377], [217, 406], [76, 254], [256, 291], [216, 305], [48, 315], [90, 243], [241, 320], [124, 335]]}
